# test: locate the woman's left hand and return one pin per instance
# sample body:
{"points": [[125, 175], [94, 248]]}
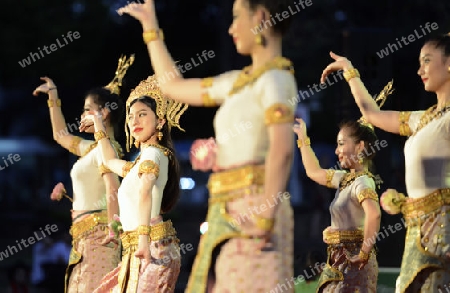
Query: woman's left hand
{"points": [[143, 253], [356, 260], [92, 118], [340, 63]]}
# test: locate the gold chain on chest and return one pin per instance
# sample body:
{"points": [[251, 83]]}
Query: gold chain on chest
{"points": [[429, 116], [350, 177], [245, 78]]}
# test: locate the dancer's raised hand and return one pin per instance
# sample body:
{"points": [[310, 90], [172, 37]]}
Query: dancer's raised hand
{"points": [[300, 128], [45, 87], [144, 12], [340, 63]]}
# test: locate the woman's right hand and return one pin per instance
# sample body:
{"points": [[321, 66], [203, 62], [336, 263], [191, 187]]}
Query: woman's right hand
{"points": [[44, 88], [144, 12], [300, 128]]}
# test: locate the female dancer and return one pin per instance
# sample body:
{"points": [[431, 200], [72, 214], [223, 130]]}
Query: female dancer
{"points": [[355, 213], [247, 200], [94, 252], [426, 258], [151, 253]]}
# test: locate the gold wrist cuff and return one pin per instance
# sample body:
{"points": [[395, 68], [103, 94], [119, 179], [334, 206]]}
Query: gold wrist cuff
{"points": [[351, 73], [303, 142], [144, 230], [364, 256], [100, 135], [264, 223], [54, 103], [152, 35]]}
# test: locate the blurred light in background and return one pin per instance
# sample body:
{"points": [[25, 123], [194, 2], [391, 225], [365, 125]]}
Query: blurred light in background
{"points": [[187, 183], [203, 227]]}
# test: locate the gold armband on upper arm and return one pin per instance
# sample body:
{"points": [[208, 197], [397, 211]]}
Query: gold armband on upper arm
{"points": [[75, 144], [367, 193], [330, 174], [405, 130], [148, 167], [278, 113], [103, 169], [126, 168], [206, 98]]}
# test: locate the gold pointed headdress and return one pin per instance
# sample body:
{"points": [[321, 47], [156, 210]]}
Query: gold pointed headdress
{"points": [[165, 108], [122, 67], [380, 100]]}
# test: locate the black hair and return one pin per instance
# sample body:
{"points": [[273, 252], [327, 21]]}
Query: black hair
{"points": [[274, 7], [171, 192], [441, 42], [361, 132], [105, 99]]}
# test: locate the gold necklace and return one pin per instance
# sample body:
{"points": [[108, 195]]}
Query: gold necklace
{"points": [[351, 176], [167, 152], [245, 78], [128, 165], [430, 115]]}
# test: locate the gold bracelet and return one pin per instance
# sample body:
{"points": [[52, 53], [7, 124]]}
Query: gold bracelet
{"points": [[144, 230], [351, 73], [364, 256], [264, 223], [152, 35], [98, 135], [303, 142], [53, 103]]}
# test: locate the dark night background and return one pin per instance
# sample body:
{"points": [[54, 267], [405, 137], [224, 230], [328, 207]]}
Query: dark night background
{"points": [[356, 29]]}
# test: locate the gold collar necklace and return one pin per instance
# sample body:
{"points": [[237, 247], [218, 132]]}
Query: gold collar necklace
{"points": [[245, 78], [430, 115]]}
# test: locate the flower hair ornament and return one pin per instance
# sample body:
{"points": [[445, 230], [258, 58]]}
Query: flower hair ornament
{"points": [[167, 109], [380, 100], [122, 67]]}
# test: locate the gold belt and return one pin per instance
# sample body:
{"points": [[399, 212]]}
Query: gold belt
{"points": [[86, 225], [418, 207], [241, 179], [129, 271], [158, 232], [344, 236]]}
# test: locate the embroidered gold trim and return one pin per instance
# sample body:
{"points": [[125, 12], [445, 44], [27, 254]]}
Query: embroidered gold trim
{"points": [[367, 193], [148, 167], [429, 116], [103, 169], [342, 236], [351, 176], [245, 78], [405, 130], [162, 230], [79, 229], [207, 82], [278, 113], [127, 167], [414, 208], [330, 174], [229, 180], [208, 101], [74, 146]]}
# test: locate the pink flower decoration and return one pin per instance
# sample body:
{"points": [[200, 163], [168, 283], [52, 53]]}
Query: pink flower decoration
{"points": [[203, 154], [392, 201], [58, 192]]}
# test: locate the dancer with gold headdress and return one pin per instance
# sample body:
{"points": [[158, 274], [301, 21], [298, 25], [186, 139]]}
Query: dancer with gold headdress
{"points": [[355, 212], [426, 257], [95, 251], [250, 218], [151, 253]]}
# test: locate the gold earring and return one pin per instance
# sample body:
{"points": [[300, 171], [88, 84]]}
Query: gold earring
{"points": [[160, 134], [360, 159], [448, 69], [260, 40], [136, 144]]}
